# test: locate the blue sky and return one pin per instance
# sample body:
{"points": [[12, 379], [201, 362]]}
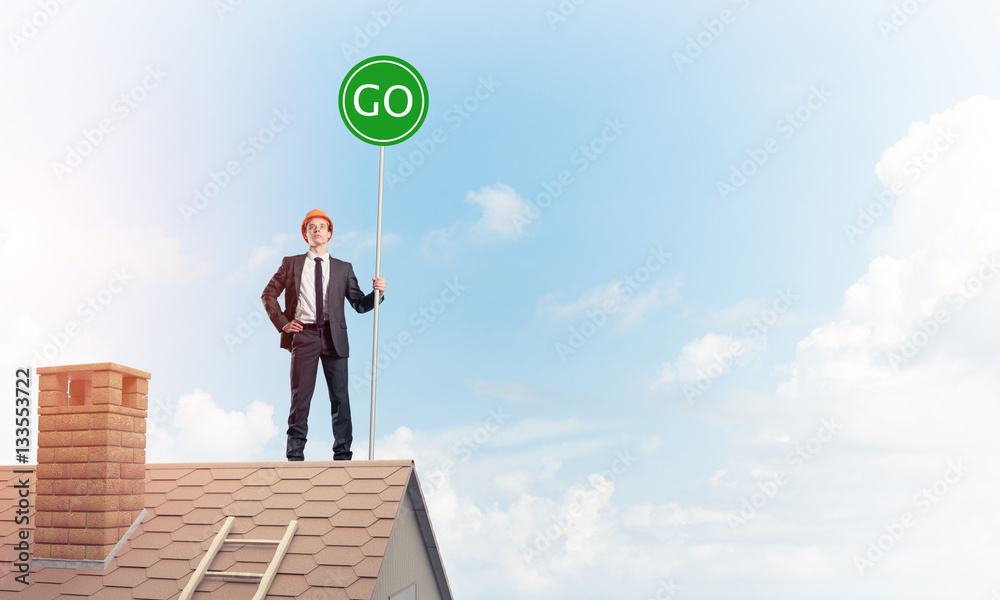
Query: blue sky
{"points": [[676, 406]]}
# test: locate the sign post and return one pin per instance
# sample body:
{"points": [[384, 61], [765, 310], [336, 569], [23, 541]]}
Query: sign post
{"points": [[383, 101]]}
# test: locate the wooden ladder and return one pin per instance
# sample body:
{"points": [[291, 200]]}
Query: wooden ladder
{"points": [[265, 578]]}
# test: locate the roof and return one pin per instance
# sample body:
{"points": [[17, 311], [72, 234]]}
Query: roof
{"points": [[345, 513]]}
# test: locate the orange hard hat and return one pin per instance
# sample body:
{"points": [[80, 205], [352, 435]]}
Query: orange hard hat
{"points": [[312, 214]]}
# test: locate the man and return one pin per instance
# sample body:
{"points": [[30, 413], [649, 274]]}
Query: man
{"points": [[313, 328]]}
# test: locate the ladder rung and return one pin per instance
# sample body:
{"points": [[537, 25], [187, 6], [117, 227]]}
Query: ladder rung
{"points": [[234, 574], [246, 541]]}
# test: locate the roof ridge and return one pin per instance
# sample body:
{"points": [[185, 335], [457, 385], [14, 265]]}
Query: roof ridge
{"points": [[288, 464]]}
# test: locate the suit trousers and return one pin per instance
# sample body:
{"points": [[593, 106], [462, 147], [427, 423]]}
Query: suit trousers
{"points": [[309, 347]]}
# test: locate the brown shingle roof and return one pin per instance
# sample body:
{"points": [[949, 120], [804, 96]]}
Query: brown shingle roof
{"points": [[345, 513]]}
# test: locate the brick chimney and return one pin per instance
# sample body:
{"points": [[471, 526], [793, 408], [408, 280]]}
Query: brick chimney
{"points": [[91, 461]]}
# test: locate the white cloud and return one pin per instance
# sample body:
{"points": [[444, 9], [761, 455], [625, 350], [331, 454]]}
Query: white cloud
{"points": [[705, 359], [592, 299], [754, 316], [71, 275], [940, 260], [733, 317], [353, 244], [510, 390], [649, 445], [502, 207], [531, 438], [500, 456], [84, 252], [260, 257], [348, 246], [929, 296], [204, 432], [626, 305], [547, 536], [709, 357], [439, 239]]}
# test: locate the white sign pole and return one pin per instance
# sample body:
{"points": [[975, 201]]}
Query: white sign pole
{"points": [[378, 266], [359, 99]]}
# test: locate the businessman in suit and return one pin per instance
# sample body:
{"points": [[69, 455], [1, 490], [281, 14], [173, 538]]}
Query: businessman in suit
{"points": [[313, 328]]}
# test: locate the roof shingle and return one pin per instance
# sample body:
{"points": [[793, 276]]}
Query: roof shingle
{"points": [[344, 511]]}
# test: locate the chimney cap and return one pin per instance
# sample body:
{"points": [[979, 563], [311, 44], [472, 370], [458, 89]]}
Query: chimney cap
{"points": [[91, 367]]}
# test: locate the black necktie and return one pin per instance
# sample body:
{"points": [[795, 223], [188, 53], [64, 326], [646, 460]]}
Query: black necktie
{"points": [[319, 291]]}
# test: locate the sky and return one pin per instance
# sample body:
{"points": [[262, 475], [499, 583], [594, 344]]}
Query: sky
{"points": [[687, 300]]}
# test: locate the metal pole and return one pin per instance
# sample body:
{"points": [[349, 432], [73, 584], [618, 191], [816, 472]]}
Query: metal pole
{"points": [[378, 266]]}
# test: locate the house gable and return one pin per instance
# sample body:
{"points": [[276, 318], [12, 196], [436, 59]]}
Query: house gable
{"points": [[412, 556]]}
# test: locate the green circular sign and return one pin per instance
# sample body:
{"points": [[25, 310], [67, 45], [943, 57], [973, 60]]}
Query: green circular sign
{"points": [[383, 100]]}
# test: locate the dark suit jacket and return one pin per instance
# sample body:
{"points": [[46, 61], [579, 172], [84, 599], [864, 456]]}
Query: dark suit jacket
{"points": [[343, 285]]}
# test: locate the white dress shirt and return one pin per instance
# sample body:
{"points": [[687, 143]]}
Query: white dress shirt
{"points": [[305, 312]]}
